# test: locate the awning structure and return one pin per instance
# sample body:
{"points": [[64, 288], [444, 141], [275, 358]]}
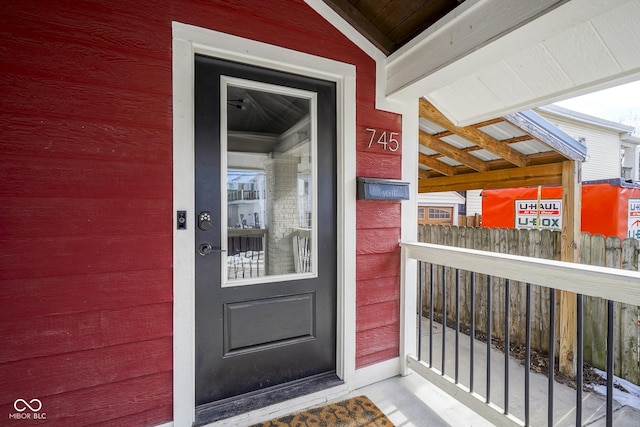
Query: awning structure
{"points": [[517, 150], [520, 149]]}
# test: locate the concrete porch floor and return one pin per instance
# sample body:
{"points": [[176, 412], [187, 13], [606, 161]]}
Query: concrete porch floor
{"points": [[414, 401]]}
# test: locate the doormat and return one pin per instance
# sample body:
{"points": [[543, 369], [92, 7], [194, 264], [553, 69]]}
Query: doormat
{"points": [[355, 412]]}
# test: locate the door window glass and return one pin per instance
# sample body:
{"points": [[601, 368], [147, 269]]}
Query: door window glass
{"points": [[269, 182]]}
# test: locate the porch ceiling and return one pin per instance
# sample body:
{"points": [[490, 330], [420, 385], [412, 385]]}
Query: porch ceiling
{"points": [[390, 24], [520, 149]]}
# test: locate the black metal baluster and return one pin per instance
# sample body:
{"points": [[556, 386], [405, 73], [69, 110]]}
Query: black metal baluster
{"points": [[507, 318], [431, 316], [610, 374], [472, 333], [552, 354], [580, 358], [444, 316], [457, 325], [420, 309], [489, 324], [527, 356]]}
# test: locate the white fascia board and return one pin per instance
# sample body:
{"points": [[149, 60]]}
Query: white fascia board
{"points": [[629, 140], [382, 102], [558, 111], [485, 34], [473, 37], [440, 198]]}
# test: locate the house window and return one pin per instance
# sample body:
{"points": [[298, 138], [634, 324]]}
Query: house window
{"points": [[420, 213], [435, 213]]}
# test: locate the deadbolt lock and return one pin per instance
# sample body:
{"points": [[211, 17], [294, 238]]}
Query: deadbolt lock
{"points": [[204, 221]]}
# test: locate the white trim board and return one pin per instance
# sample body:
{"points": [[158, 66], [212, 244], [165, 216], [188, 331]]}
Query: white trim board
{"points": [[382, 101], [187, 41]]}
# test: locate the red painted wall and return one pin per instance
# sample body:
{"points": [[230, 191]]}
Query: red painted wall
{"points": [[86, 199]]}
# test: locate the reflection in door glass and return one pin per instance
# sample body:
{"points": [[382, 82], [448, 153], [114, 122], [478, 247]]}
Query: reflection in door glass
{"points": [[270, 184]]}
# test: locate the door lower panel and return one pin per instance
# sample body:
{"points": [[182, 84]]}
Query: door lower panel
{"points": [[268, 323]]}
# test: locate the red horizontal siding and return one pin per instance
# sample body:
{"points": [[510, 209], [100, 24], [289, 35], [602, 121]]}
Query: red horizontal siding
{"points": [[50, 217], [86, 198], [377, 345], [64, 100], [84, 255], [375, 316], [71, 138], [82, 370], [378, 290], [381, 356], [71, 178], [377, 240], [92, 24], [379, 119], [377, 214], [375, 266], [62, 295], [69, 333], [378, 165], [121, 400], [76, 59]]}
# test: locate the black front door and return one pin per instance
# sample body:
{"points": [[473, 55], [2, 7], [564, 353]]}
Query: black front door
{"points": [[265, 200]]}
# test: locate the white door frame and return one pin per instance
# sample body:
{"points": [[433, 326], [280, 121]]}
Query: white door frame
{"points": [[187, 41]]}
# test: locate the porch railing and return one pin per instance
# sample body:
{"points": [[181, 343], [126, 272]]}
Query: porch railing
{"points": [[422, 261]]}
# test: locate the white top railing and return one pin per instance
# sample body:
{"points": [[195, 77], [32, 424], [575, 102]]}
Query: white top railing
{"points": [[608, 283]]}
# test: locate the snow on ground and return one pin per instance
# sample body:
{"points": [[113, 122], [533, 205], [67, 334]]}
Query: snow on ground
{"points": [[627, 399]]}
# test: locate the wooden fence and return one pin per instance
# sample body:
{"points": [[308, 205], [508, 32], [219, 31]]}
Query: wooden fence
{"points": [[595, 250]]}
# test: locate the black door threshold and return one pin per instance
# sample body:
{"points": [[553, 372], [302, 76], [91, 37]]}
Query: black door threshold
{"points": [[211, 412]]}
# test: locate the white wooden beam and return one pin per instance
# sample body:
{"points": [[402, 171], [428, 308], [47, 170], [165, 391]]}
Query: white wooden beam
{"points": [[603, 282], [499, 56], [467, 31]]}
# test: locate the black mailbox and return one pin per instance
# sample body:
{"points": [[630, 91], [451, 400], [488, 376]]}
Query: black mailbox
{"points": [[382, 189]]}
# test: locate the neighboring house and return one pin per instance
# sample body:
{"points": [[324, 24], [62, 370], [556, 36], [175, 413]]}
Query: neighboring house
{"points": [[613, 150], [121, 124], [439, 208]]}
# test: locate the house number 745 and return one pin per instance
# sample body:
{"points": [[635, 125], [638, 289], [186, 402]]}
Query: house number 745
{"points": [[388, 140]]}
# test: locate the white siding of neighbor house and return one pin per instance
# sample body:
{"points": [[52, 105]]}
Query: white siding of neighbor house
{"points": [[631, 160], [474, 202], [603, 145], [440, 198]]}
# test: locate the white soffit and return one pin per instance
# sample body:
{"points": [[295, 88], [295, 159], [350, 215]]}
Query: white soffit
{"points": [[561, 49]]}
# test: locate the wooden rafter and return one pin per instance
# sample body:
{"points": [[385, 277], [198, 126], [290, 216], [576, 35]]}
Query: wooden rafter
{"points": [[436, 165], [509, 141], [429, 112], [488, 122], [452, 152], [550, 174]]}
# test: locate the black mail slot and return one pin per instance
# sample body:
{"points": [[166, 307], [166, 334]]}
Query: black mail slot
{"points": [[382, 189]]}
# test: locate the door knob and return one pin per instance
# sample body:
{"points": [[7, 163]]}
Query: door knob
{"points": [[206, 248]]}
